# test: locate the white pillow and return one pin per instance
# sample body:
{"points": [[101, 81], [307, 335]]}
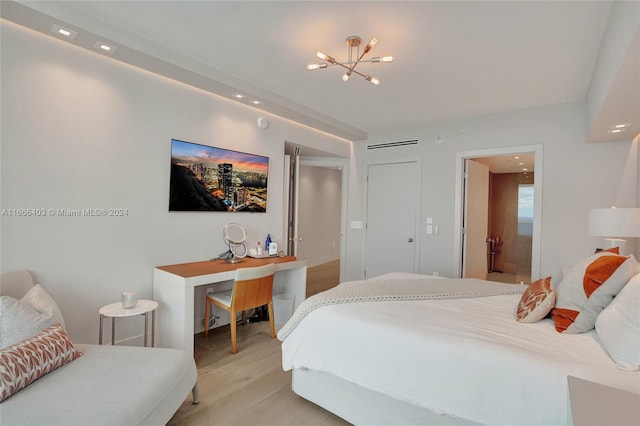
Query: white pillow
{"points": [[618, 327], [589, 288], [24, 318]]}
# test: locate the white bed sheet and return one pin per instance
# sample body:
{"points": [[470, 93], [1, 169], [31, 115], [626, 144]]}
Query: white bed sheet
{"points": [[463, 357]]}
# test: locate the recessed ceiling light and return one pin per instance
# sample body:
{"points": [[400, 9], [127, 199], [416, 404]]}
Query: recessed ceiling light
{"points": [[104, 47], [64, 32], [525, 169], [618, 128], [256, 102], [517, 158], [238, 95], [520, 164]]}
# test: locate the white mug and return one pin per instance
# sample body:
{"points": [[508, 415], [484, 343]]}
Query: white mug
{"points": [[129, 299]]}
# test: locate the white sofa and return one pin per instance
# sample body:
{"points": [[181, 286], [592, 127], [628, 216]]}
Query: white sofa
{"points": [[107, 385]]}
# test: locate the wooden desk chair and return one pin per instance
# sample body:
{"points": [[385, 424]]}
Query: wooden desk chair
{"points": [[252, 287]]}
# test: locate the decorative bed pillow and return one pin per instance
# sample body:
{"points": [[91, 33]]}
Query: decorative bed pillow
{"points": [[588, 288], [536, 302], [618, 327], [24, 318], [32, 358]]}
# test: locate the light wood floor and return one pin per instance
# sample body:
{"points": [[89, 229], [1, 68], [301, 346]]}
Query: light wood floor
{"points": [[322, 277], [250, 387]]}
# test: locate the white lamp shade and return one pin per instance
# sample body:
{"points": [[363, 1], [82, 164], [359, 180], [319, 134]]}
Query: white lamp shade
{"points": [[614, 222]]}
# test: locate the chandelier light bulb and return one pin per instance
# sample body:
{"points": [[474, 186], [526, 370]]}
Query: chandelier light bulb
{"points": [[372, 79], [386, 59], [345, 76], [370, 45], [316, 66], [321, 55]]}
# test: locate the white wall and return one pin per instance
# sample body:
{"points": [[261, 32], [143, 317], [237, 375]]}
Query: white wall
{"points": [[319, 214], [80, 130], [617, 46], [576, 176]]}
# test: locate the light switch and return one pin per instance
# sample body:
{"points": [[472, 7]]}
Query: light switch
{"points": [[429, 220], [429, 229]]}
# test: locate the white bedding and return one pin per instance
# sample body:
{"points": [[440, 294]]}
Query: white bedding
{"points": [[463, 357]]}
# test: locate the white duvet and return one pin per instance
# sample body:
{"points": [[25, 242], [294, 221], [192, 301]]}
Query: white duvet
{"points": [[467, 358]]}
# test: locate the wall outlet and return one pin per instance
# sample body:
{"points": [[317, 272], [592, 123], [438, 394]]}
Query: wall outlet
{"points": [[436, 274]]}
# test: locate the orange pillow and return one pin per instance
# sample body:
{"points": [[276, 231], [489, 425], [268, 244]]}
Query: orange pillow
{"points": [[614, 250], [536, 302], [588, 288]]}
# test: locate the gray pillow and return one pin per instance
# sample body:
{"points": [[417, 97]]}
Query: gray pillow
{"points": [[24, 318]]}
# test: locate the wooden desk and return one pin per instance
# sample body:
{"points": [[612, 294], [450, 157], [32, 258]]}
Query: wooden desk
{"points": [[174, 290]]}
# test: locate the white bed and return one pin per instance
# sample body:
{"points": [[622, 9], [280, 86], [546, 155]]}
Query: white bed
{"points": [[451, 361]]}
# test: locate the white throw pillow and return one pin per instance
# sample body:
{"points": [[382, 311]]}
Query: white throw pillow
{"points": [[589, 288], [24, 318], [618, 327]]}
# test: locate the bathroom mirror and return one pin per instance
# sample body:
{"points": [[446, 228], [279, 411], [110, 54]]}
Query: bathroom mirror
{"points": [[234, 235]]}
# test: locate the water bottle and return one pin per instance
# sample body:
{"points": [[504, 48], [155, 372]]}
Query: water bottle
{"points": [[267, 242], [259, 249]]}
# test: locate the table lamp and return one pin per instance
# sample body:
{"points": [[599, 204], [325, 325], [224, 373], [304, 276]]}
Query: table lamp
{"points": [[615, 224]]}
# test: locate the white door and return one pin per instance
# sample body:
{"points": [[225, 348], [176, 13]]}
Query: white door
{"points": [[475, 220], [393, 194]]}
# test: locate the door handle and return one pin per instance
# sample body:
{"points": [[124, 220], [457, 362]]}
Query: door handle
{"points": [[410, 240]]}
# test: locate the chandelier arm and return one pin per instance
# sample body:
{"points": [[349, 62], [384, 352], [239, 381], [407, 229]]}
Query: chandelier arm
{"points": [[349, 64], [355, 72], [360, 74], [364, 52], [342, 65], [351, 69]]}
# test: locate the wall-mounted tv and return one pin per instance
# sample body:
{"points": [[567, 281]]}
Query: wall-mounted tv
{"points": [[205, 178]]}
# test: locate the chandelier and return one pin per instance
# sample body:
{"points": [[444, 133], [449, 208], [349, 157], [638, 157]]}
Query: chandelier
{"points": [[354, 58]]}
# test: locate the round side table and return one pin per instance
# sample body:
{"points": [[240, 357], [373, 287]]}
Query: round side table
{"points": [[115, 310]]}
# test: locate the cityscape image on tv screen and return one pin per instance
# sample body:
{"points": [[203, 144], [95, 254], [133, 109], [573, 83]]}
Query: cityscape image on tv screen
{"points": [[205, 178]]}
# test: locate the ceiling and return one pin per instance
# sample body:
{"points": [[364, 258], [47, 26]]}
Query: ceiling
{"points": [[514, 163], [452, 59]]}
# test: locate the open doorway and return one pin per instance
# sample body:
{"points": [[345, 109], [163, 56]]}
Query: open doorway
{"points": [[316, 213], [500, 239], [510, 219]]}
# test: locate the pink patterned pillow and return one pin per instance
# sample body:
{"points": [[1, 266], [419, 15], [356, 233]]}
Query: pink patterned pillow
{"points": [[536, 302], [32, 358]]}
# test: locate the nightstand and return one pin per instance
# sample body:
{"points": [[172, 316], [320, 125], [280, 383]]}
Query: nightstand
{"points": [[596, 404]]}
